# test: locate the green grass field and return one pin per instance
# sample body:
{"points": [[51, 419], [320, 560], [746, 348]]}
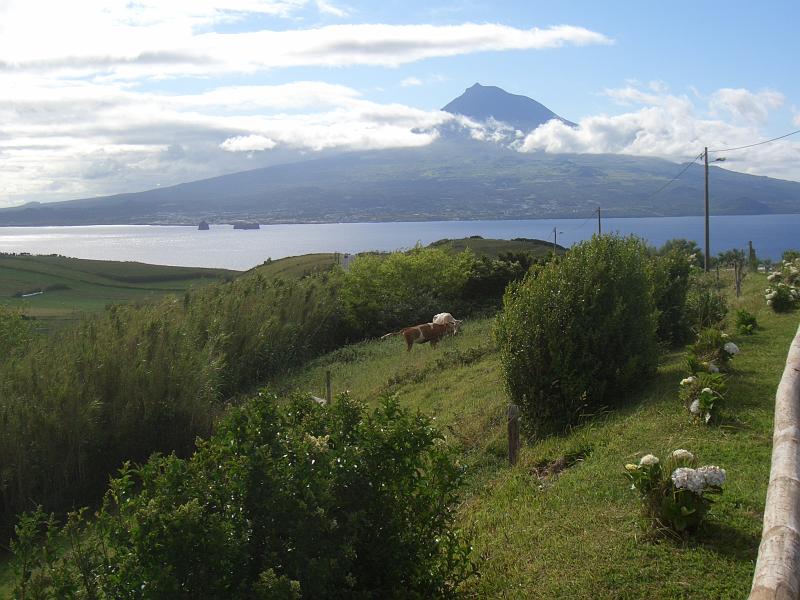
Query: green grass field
{"points": [[72, 287], [563, 522], [577, 533]]}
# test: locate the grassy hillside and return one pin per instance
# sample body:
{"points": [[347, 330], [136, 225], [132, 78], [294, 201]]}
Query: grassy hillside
{"points": [[71, 286], [563, 523], [493, 248], [297, 266]]}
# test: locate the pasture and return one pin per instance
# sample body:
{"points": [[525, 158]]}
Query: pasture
{"points": [[563, 523], [71, 287]]}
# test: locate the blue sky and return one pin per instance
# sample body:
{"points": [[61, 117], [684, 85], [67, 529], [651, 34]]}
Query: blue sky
{"points": [[105, 96]]}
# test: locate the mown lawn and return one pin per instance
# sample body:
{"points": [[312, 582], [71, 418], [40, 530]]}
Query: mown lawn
{"points": [[578, 533]]}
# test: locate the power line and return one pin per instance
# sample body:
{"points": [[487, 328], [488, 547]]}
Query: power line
{"points": [[682, 171], [756, 144]]}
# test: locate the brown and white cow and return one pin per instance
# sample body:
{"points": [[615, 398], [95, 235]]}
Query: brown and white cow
{"points": [[427, 332], [448, 319]]}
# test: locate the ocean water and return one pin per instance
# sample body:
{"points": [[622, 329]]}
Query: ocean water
{"points": [[224, 247]]}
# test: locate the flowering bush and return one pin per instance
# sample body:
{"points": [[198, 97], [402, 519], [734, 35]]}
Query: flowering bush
{"points": [[782, 297], [702, 395], [676, 494], [711, 352], [784, 294]]}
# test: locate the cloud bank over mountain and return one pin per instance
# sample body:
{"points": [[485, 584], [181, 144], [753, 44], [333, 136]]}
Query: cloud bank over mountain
{"points": [[109, 96]]}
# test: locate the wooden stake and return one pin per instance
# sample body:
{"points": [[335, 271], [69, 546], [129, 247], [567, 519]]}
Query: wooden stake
{"points": [[328, 387], [513, 433]]}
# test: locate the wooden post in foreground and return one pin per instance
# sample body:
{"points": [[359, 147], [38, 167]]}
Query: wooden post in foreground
{"points": [[328, 387], [777, 576], [513, 433]]}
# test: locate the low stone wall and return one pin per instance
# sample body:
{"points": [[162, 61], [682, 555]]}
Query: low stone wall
{"points": [[777, 574]]}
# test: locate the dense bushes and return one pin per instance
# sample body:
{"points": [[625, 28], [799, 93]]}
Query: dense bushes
{"points": [[670, 275], [384, 292], [579, 332], [706, 306], [141, 379], [147, 378], [302, 501]]}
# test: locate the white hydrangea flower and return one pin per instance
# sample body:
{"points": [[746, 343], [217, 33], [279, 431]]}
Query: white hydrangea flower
{"points": [[731, 348], [688, 380], [682, 455], [773, 276], [771, 295], [713, 475], [685, 478], [712, 368], [695, 407], [648, 460]]}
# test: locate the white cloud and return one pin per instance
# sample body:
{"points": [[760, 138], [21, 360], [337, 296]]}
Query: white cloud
{"points": [[674, 127], [410, 82], [746, 106], [107, 44], [68, 139], [329, 8], [248, 143]]}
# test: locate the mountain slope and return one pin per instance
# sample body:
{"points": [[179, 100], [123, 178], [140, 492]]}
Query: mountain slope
{"points": [[484, 102], [445, 181], [456, 177]]}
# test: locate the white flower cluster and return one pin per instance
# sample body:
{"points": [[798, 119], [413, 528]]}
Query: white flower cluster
{"points": [[688, 380], [694, 408], [699, 480], [648, 460], [682, 455], [731, 348], [714, 475]]}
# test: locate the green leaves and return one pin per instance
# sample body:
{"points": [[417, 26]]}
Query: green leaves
{"points": [[579, 333], [288, 499]]}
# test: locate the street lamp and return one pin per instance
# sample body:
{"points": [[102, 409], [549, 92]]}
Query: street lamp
{"points": [[555, 239]]}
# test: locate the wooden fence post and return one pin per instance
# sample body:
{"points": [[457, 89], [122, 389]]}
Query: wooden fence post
{"points": [[513, 433], [328, 387]]}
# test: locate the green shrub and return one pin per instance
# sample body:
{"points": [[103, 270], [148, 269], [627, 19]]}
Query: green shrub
{"points": [[16, 333], [790, 255], [384, 292], [706, 306], [745, 322], [670, 274], [579, 332], [301, 501]]}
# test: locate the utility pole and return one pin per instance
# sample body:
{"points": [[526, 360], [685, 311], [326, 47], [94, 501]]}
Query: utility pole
{"points": [[599, 229], [708, 251], [555, 238]]}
